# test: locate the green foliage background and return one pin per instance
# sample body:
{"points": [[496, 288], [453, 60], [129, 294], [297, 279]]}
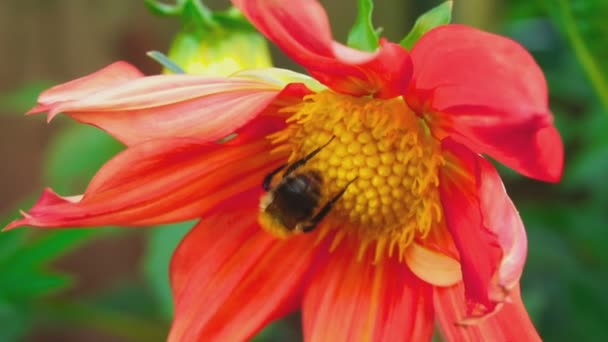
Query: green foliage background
{"points": [[567, 269]]}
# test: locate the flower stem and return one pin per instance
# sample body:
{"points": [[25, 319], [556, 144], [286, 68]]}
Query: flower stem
{"points": [[583, 54]]}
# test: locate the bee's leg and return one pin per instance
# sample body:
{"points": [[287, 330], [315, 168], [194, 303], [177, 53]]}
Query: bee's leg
{"points": [[270, 176], [313, 222], [304, 160]]}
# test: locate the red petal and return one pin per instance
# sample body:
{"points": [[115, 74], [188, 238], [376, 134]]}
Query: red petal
{"points": [[172, 106], [355, 300], [160, 181], [478, 245], [301, 29], [111, 76], [490, 94], [230, 278], [510, 323]]}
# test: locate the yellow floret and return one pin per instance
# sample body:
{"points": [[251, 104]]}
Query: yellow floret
{"points": [[381, 144]]}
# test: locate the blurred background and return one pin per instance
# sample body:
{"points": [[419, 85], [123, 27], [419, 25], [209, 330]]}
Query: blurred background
{"points": [[111, 284]]}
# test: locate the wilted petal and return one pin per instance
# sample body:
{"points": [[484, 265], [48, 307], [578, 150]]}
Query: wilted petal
{"points": [[478, 245], [510, 322], [230, 278], [161, 181], [207, 108], [356, 300], [489, 94], [301, 29], [501, 217]]}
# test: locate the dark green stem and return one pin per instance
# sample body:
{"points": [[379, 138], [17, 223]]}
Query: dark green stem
{"points": [[583, 54]]}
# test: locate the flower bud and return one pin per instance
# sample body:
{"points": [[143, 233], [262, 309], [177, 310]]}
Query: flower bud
{"points": [[213, 43]]}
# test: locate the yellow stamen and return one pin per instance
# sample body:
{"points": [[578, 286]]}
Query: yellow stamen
{"points": [[389, 152]]}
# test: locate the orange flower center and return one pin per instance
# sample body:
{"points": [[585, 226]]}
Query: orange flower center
{"points": [[381, 153]]}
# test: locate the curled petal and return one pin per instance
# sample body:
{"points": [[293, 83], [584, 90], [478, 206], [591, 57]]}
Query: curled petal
{"points": [[230, 278], [489, 94], [478, 245], [160, 181], [163, 106], [355, 300], [113, 75], [485, 226], [510, 322], [301, 29]]}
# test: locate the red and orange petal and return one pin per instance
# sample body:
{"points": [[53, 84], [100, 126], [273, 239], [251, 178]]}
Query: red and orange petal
{"points": [[352, 299], [136, 109], [488, 93], [160, 181], [301, 29], [229, 283]]}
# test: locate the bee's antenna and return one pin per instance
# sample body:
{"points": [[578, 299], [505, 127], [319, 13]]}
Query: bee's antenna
{"points": [[270, 176], [304, 160]]}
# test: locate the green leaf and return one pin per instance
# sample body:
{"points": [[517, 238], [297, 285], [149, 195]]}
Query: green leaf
{"points": [[160, 8], [363, 36], [75, 155], [162, 242], [437, 16], [27, 277], [584, 24], [24, 273], [26, 256]]}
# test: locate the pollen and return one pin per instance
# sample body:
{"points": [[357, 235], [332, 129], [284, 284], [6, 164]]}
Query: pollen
{"points": [[385, 157]]}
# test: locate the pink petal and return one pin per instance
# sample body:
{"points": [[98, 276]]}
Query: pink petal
{"points": [[161, 181], [355, 300], [230, 278], [301, 29], [510, 323], [113, 75], [502, 218], [489, 94], [163, 106]]}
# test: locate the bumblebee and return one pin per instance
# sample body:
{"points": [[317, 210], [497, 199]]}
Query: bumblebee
{"points": [[293, 204]]}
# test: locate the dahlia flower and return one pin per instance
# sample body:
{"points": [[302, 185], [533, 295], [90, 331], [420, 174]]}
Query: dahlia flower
{"points": [[420, 229]]}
